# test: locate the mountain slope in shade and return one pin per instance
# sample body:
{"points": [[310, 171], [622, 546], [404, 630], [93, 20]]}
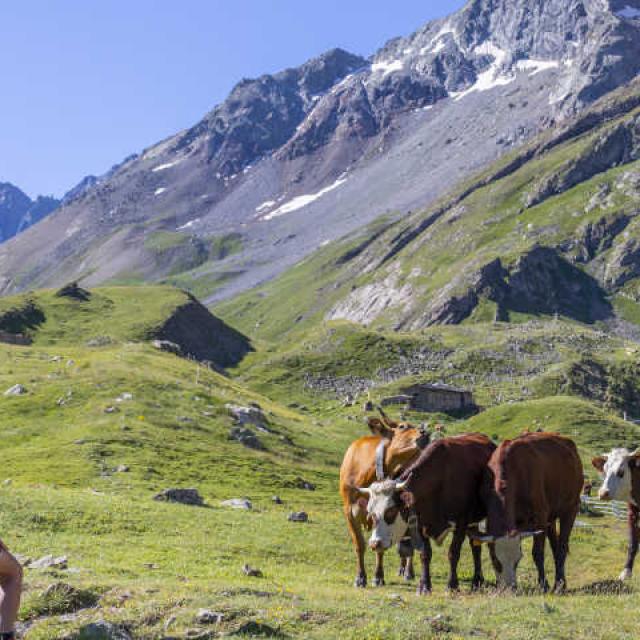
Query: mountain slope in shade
{"points": [[291, 161], [18, 211]]}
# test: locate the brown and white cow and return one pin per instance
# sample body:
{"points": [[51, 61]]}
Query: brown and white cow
{"points": [[384, 454], [530, 483], [442, 490], [621, 481]]}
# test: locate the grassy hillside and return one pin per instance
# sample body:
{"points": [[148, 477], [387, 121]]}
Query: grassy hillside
{"points": [[78, 479]]}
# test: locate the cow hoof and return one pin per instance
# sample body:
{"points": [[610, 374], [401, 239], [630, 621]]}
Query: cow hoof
{"points": [[401, 572], [560, 587], [453, 587], [625, 575], [477, 583], [544, 587], [361, 582], [378, 581], [409, 576], [423, 590]]}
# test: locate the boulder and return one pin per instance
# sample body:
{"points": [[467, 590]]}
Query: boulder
{"points": [[238, 503], [167, 346], [252, 572], [301, 483], [299, 516], [102, 630], [206, 616], [49, 562], [181, 496], [245, 436], [251, 415], [15, 390], [99, 341]]}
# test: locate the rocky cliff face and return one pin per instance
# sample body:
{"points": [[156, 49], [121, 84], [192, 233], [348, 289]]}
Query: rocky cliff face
{"points": [[297, 159]]}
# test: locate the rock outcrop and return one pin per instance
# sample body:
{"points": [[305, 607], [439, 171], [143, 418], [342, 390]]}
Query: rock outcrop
{"points": [[200, 335]]}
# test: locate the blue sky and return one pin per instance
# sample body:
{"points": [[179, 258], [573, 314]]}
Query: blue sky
{"points": [[87, 82]]}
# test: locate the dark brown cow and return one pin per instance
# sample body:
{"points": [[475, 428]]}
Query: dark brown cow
{"points": [[442, 489], [621, 481], [402, 444], [530, 483]]}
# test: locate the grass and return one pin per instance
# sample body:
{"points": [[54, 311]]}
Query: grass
{"points": [[118, 313], [150, 566]]}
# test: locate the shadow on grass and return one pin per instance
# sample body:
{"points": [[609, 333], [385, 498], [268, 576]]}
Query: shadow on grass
{"points": [[603, 588]]}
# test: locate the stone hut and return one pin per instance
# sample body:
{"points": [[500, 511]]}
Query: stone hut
{"points": [[433, 398]]}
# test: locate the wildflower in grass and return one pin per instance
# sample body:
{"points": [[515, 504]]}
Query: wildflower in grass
{"points": [[141, 418]]}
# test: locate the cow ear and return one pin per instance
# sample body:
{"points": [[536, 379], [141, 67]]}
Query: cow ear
{"points": [[599, 462], [378, 428]]}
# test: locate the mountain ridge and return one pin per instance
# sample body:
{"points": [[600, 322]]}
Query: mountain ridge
{"points": [[300, 158], [19, 212]]}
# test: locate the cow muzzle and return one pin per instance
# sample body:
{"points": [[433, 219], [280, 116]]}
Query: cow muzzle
{"points": [[604, 494], [376, 545]]}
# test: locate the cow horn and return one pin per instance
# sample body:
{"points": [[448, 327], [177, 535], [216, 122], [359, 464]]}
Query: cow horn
{"points": [[365, 490], [400, 486], [530, 534], [385, 417]]}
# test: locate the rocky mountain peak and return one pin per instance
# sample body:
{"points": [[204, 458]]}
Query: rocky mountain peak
{"points": [[18, 211], [306, 155]]}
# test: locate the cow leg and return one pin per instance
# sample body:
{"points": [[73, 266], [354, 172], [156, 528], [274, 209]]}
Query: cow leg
{"points": [[379, 576], [403, 567], [494, 559], [566, 526], [454, 557], [634, 535], [405, 551], [409, 573], [355, 530], [478, 576], [424, 588], [538, 558]]}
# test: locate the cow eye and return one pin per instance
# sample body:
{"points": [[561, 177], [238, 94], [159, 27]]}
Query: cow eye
{"points": [[390, 515], [620, 473]]}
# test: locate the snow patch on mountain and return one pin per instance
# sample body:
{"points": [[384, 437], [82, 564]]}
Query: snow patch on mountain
{"points": [[388, 66], [300, 202], [167, 165], [189, 224], [536, 66], [629, 12], [493, 76]]}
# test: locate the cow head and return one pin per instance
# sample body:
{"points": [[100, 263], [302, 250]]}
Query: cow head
{"points": [[385, 509], [404, 438], [616, 469], [506, 555]]}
